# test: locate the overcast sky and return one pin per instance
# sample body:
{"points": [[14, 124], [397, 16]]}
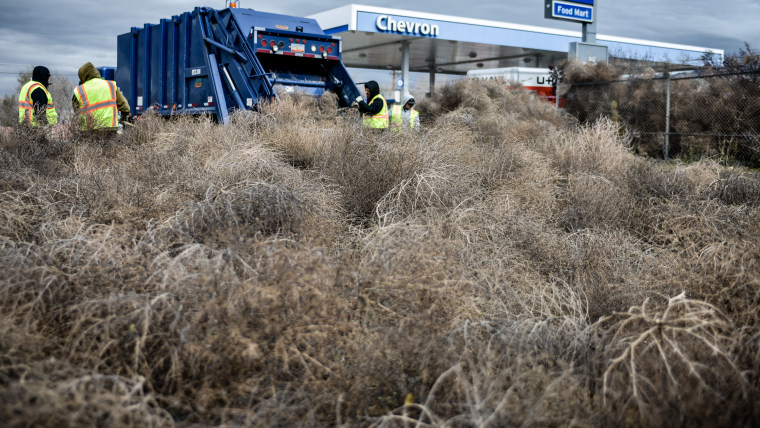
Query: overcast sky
{"points": [[64, 34]]}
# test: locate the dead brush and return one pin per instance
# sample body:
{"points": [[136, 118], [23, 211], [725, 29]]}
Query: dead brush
{"points": [[245, 210], [524, 267], [398, 249], [298, 125], [490, 100], [555, 300], [51, 279], [446, 145], [73, 398], [504, 280], [578, 72], [14, 175], [703, 174], [197, 277], [137, 330], [612, 268], [693, 225], [182, 159], [366, 166], [453, 169], [466, 93], [210, 327], [248, 162], [595, 202], [671, 364], [722, 273], [97, 250], [735, 188], [26, 144], [22, 343], [498, 128], [499, 165], [189, 262], [649, 182], [502, 374], [486, 129], [62, 215], [128, 334], [410, 290], [18, 216], [719, 105], [101, 187], [517, 259], [32, 288], [711, 117], [597, 149], [423, 194], [149, 125], [521, 181], [281, 334], [446, 176], [706, 238]]}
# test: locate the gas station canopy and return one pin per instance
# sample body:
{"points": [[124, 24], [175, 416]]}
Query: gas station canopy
{"points": [[382, 38]]}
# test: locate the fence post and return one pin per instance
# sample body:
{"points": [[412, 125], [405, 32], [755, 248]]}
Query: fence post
{"points": [[666, 151]]}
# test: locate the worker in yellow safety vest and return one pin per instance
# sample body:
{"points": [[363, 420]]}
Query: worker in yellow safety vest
{"points": [[98, 102], [35, 104], [374, 113], [405, 116]]}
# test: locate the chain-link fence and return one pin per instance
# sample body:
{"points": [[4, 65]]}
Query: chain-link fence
{"points": [[679, 115]]}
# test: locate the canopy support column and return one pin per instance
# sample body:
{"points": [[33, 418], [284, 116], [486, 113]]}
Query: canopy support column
{"points": [[405, 68], [432, 79]]}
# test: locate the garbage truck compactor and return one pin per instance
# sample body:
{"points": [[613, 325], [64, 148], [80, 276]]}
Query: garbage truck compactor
{"points": [[212, 61]]}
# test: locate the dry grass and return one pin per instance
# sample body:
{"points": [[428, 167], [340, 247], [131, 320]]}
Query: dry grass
{"points": [[502, 267], [712, 117], [664, 361]]}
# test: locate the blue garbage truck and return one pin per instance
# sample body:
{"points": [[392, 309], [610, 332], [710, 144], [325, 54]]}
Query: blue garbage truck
{"points": [[212, 62]]}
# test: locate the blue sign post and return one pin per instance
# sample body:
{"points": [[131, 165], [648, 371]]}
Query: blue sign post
{"points": [[583, 11]]}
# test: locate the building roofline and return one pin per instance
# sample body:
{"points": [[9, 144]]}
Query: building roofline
{"points": [[346, 16]]}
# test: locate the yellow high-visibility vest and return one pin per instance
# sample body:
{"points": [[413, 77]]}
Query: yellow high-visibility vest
{"points": [[397, 120], [380, 120], [97, 98], [26, 106]]}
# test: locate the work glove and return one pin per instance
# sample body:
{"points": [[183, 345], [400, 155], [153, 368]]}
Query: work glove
{"points": [[127, 120], [359, 99]]}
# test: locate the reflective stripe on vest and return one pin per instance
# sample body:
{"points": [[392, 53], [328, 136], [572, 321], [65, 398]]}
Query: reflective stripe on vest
{"points": [[397, 120], [380, 120], [26, 106], [97, 98]]}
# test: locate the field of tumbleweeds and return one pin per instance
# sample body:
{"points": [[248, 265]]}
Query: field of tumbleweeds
{"points": [[504, 267]]}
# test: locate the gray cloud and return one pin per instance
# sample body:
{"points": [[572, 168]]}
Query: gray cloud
{"points": [[63, 35]]}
